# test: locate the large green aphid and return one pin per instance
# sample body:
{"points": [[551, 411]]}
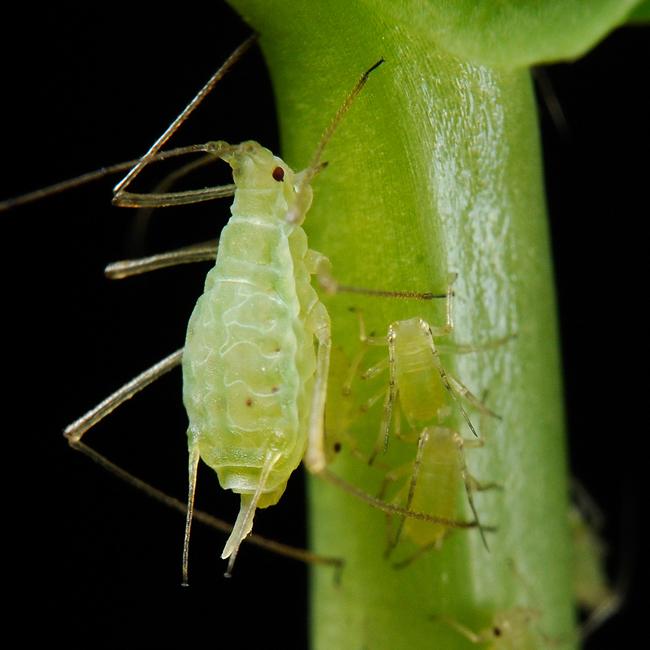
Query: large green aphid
{"points": [[253, 384]]}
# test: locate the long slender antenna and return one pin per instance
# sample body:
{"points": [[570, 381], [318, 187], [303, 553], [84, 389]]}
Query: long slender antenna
{"points": [[187, 111], [89, 177], [329, 131]]}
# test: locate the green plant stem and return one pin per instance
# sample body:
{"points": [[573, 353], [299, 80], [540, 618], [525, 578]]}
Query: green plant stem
{"points": [[436, 169]]}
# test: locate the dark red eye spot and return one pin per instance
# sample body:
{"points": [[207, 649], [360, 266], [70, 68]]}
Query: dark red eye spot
{"points": [[278, 174]]}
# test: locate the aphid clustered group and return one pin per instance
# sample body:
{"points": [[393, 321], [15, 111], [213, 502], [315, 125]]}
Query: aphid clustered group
{"points": [[256, 363]]}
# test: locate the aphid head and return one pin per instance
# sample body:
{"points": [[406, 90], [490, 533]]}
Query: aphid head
{"points": [[278, 190]]}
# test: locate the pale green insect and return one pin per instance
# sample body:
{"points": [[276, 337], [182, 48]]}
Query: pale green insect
{"points": [[426, 395], [256, 356], [595, 596], [509, 629], [253, 385]]}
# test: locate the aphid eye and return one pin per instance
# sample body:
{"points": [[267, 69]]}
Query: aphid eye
{"points": [[496, 631], [337, 447], [278, 174]]}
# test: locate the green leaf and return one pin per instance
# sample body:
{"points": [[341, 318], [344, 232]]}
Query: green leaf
{"points": [[514, 33], [436, 169], [641, 14]]}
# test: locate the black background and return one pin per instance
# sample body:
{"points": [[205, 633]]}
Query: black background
{"points": [[92, 561]]}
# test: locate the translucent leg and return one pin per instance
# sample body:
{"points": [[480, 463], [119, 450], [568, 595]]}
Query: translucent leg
{"points": [[321, 267], [467, 395], [463, 348], [468, 481], [76, 430], [203, 252], [462, 630], [301, 555], [315, 458]]}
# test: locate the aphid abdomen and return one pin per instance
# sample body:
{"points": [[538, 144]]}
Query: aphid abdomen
{"points": [[242, 385], [438, 486], [423, 397]]}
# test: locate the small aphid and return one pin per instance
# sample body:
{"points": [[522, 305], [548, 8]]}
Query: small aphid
{"points": [[437, 476], [595, 596], [510, 629]]}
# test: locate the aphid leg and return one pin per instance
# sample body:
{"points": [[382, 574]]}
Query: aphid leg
{"points": [[187, 197], [451, 387], [371, 401], [321, 267], [244, 523], [390, 477], [375, 369], [423, 550], [448, 327], [76, 430], [477, 486], [462, 629], [193, 466], [366, 341], [142, 218], [315, 458], [204, 252], [602, 613], [299, 554], [463, 348], [422, 441], [389, 402], [469, 482], [586, 505], [391, 509], [467, 395]]}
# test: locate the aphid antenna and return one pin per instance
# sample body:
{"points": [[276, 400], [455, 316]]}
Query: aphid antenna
{"points": [[316, 166], [98, 174], [186, 112]]}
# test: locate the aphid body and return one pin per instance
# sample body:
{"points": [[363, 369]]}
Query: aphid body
{"points": [[590, 583], [439, 483], [423, 397], [249, 362], [596, 598]]}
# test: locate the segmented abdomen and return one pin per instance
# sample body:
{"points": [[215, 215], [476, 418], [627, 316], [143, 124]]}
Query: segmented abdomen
{"points": [[244, 375], [423, 396], [438, 486]]}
